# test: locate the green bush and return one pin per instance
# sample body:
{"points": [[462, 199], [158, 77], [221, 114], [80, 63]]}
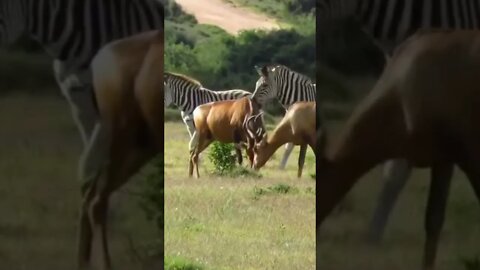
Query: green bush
{"points": [[220, 155], [222, 61]]}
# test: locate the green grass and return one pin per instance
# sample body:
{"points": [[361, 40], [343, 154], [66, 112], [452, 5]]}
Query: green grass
{"points": [[221, 222], [178, 263], [343, 233], [40, 194]]}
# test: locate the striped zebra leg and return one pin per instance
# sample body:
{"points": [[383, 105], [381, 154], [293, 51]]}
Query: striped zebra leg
{"points": [[188, 120], [301, 159], [286, 155], [396, 173], [80, 97]]}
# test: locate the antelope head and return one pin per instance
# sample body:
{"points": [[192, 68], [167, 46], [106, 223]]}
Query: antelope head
{"points": [[261, 155]]}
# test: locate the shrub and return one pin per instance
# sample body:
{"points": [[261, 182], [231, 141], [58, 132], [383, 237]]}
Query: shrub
{"points": [[221, 157]]}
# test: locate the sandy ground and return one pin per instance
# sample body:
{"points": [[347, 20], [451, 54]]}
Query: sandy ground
{"points": [[232, 19]]}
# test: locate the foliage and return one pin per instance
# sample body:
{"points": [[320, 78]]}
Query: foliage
{"points": [[152, 194], [220, 155], [223, 61], [174, 12]]}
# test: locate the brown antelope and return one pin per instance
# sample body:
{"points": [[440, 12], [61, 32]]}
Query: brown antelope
{"points": [[424, 109], [128, 83], [298, 127], [228, 121]]}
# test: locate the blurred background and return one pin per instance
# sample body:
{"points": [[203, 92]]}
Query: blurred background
{"points": [[348, 67]]}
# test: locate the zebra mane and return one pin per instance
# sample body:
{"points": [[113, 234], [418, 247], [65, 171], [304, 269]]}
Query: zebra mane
{"points": [[185, 77], [275, 66]]}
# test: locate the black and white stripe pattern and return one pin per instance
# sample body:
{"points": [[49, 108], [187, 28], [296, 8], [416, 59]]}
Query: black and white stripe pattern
{"points": [[390, 22], [187, 94], [72, 31], [283, 83]]}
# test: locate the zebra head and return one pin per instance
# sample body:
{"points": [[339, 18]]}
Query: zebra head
{"points": [[12, 20], [265, 87]]}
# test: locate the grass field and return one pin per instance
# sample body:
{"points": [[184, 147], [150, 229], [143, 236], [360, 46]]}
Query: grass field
{"points": [[39, 192], [238, 223], [343, 247], [220, 223]]}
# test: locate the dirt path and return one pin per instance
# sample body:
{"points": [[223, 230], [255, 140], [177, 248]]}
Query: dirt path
{"points": [[224, 15]]}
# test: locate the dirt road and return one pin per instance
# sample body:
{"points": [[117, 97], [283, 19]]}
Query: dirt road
{"points": [[232, 19]]}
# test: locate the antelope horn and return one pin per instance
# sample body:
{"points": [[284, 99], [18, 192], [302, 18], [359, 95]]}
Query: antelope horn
{"points": [[256, 116], [249, 119]]}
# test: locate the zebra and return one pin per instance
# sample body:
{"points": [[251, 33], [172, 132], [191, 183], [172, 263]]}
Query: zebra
{"points": [[388, 23], [288, 87], [72, 32], [187, 94]]}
